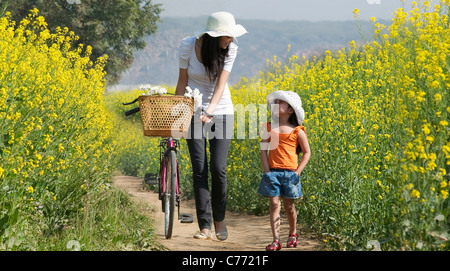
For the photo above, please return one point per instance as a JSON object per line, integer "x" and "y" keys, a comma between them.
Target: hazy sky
{"x": 310, "y": 10}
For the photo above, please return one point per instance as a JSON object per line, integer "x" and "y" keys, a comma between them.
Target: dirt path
{"x": 246, "y": 232}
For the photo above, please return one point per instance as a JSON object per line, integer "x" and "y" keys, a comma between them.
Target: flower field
{"x": 55, "y": 134}
{"x": 377, "y": 120}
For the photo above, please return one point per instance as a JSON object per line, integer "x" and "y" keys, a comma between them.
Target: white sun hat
{"x": 222, "y": 23}
{"x": 291, "y": 98}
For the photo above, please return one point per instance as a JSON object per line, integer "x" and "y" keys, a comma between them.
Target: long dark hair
{"x": 294, "y": 121}
{"x": 213, "y": 57}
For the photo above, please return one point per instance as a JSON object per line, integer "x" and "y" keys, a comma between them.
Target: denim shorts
{"x": 280, "y": 182}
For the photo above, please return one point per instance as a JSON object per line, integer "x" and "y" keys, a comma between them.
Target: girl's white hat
{"x": 222, "y": 24}
{"x": 292, "y": 99}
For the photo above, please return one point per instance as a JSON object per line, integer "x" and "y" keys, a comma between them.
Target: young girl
{"x": 284, "y": 139}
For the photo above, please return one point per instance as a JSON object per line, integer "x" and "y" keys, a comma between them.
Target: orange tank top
{"x": 282, "y": 152}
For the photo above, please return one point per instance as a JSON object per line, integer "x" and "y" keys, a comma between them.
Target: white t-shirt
{"x": 197, "y": 77}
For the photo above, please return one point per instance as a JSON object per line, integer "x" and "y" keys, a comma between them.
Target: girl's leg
{"x": 275, "y": 207}
{"x": 291, "y": 213}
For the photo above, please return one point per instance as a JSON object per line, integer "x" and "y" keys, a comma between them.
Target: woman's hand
{"x": 205, "y": 118}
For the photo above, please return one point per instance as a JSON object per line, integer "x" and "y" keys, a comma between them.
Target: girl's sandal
{"x": 293, "y": 242}
{"x": 275, "y": 246}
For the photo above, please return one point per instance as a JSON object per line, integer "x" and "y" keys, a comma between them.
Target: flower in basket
{"x": 145, "y": 87}
{"x": 157, "y": 90}
{"x": 196, "y": 95}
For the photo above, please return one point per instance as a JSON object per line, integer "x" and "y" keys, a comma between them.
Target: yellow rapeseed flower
{"x": 444, "y": 194}
{"x": 415, "y": 193}
{"x": 426, "y": 130}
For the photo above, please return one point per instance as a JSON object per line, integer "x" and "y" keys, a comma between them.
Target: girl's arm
{"x": 303, "y": 141}
{"x": 265, "y": 145}
{"x": 182, "y": 82}
{"x": 265, "y": 161}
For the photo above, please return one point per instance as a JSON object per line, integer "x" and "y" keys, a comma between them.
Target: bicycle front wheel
{"x": 171, "y": 191}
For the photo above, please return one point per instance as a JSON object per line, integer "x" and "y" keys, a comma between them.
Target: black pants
{"x": 219, "y": 133}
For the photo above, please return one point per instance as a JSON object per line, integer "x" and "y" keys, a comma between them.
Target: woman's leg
{"x": 197, "y": 150}
{"x": 220, "y": 139}
{"x": 218, "y": 166}
{"x": 220, "y": 133}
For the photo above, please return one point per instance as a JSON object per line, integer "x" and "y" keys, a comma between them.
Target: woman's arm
{"x": 217, "y": 95}
{"x": 303, "y": 141}
{"x": 182, "y": 82}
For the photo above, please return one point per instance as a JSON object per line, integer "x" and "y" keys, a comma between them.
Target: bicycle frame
{"x": 166, "y": 145}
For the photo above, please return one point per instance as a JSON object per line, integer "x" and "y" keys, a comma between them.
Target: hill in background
{"x": 157, "y": 63}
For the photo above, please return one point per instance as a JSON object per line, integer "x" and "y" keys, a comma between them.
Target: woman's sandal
{"x": 202, "y": 235}
{"x": 275, "y": 246}
{"x": 292, "y": 243}
{"x": 222, "y": 236}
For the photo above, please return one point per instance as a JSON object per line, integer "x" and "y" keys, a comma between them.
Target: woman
{"x": 205, "y": 63}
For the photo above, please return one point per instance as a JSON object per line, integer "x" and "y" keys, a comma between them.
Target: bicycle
{"x": 166, "y": 116}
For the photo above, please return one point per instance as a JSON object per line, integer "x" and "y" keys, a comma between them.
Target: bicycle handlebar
{"x": 132, "y": 111}
{"x": 135, "y": 100}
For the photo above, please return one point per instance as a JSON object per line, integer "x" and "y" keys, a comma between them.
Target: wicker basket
{"x": 165, "y": 116}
